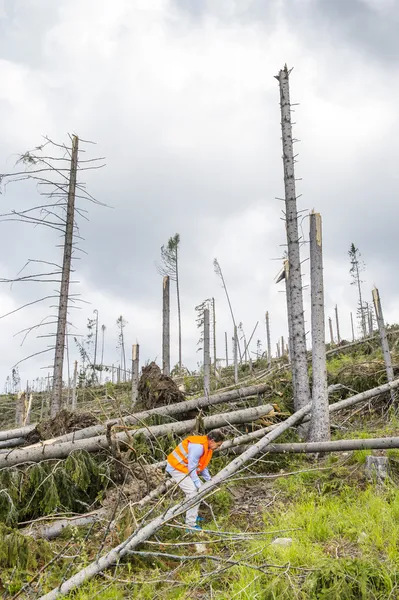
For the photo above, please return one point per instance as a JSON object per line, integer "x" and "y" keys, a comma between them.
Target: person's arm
{"x": 205, "y": 474}
{"x": 195, "y": 452}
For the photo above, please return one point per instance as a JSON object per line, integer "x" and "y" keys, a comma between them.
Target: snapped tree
{"x": 357, "y": 266}
{"x": 170, "y": 266}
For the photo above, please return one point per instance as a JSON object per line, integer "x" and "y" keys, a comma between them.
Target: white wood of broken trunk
{"x": 319, "y": 430}
{"x": 146, "y": 531}
{"x": 166, "y": 326}
{"x": 384, "y": 339}
{"x": 74, "y": 385}
{"x": 337, "y": 325}
{"x": 135, "y": 373}
{"x": 302, "y": 390}
{"x": 207, "y": 354}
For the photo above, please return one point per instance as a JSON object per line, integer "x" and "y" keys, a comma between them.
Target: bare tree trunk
{"x": 143, "y": 533}
{"x": 118, "y": 374}
{"x": 235, "y": 355}
{"x": 353, "y": 330}
{"x": 337, "y": 325}
{"x": 227, "y": 353}
{"x": 319, "y": 430}
{"x": 331, "y": 331}
{"x": 302, "y": 390}
{"x": 362, "y": 315}
{"x": 75, "y": 380}
{"x": 112, "y": 374}
{"x": 135, "y": 373}
{"x": 370, "y": 319}
{"x": 214, "y": 335}
{"x": 178, "y": 309}
{"x": 289, "y": 318}
{"x": 269, "y": 345}
{"x": 384, "y": 339}
{"x": 278, "y": 350}
{"x": 282, "y": 346}
{"x": 56, "y": 403}
{"x": 166, "y": 326}
{"x": 207, "y": 357}
{"x": 102, "y": 351}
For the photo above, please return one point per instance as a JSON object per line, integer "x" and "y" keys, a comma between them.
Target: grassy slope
{"x": 344, "y": 529}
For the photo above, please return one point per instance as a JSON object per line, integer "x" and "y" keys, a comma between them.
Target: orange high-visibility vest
{"x": 178, "y": 459}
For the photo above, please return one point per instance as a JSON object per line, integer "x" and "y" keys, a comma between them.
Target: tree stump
{"x": 377, "y": 468}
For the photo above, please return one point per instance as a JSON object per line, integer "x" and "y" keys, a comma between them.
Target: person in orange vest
{"x": 189, "y": 460}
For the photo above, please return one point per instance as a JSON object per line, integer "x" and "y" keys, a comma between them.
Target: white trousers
{"x": 187, "y": 485}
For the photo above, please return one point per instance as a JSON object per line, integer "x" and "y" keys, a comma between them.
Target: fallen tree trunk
{"x": 336, "y": 446}
{"x": 15, "y": 433}
{"x": 50, "y": 451}
{"x": 138, "y": 418}
{"x": 50, "y": 532}
{"x": 12, "y": 442}
{"x": 145, "y": 532}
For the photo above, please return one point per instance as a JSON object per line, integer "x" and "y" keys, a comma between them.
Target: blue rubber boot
{"x": 195, "y": 529}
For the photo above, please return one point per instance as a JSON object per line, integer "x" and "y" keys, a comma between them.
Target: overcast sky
{"x": 181, "y": 99}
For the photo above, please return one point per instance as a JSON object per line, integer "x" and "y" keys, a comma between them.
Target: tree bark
{"x": 289, "y": 319}
{"x": 178, "y": 307}
{"x": 302, "y": 390}
{"x": 384, "y": 340}
{"x": 319, "y": 430}
{"x": 353, "y": 330}
{"x": 207, "y": 354}
{"x": 166, "y": 326}
{"x": 75, "y": 380}
{"x": 135, "y": 373}
{"x": 48, "y": 451}
{"x": 227, "y": 352}
{"x": 143, "y": 533}
{"x": 235, "y": 355}
{"x": 56, "y": 403}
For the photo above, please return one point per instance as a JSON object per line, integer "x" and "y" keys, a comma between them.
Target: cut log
{"x": 50, "y": 451}
{"x": 144, "y": 532}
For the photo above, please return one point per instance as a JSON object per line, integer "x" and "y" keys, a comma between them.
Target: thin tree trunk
{"x": 302, "y": 391}
{"x": 282, "y": 346}
{"x": 235, "y": 344}
{"x": 331, "y": 331}
{"x": 269, "y": 345}
{"x": 135, "y": 373}
{"x": 178, "y": 309}
{"x": 207, "y": 357}
{"x": 118, "y": 374}
{"x": 353, "y": 329}
{"x": 337, "y": 325}
{"x": 362, "y": 315}
{"x": 112, "y": 374}
{"x": 278, "y": 350}
{"x": 166, "y": 326}
{"x": 227, "y": 353}
{"x": 384, "y": 339}
{"x": 319, "y": 430}
{"x": 143, "y": 533}
{"x": 19, "y": 409}
{"x": 75, "y": 380}
{"x": 56, "y": 403}
{"x": 370, "y": 314}
{"x": 214, "y": 335}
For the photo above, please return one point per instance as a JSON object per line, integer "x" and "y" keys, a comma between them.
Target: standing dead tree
{"x": 357, "y": 266}
{"x": 121, "y": 324}
{"x": 269, "y": 345}
{"x": 319, "y": 430}
{"x": 166, "y": 326}
{"x": 302, "y": 391}
{"x": 56, "y": 180}
{"x": 207, "y": 354}
{"x": 170, "y": 267}
{"x": 384, "y": 339}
